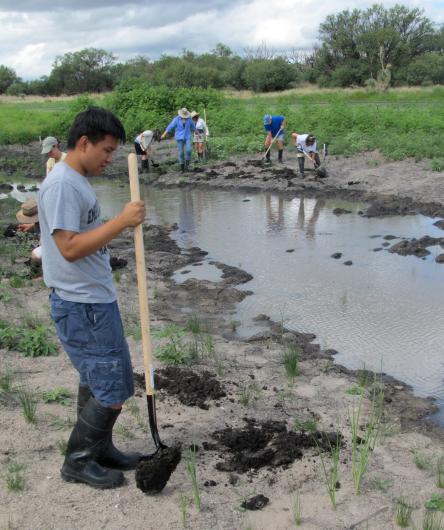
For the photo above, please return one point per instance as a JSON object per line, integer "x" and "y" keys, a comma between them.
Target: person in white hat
{"x": 306, "y": 146}
{"x": 201, "y": 134}
{"x": 142, "y": 145}
{"x": 183, "y": 126}
{"x": 28, "y": 218}
{"x": 51, "y": 148}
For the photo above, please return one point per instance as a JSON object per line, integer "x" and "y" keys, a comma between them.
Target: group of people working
{"x": 306, "y": 144}
{"x": 190, "y": 128}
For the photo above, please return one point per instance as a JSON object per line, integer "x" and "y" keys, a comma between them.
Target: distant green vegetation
{"x": 398, "y": 122}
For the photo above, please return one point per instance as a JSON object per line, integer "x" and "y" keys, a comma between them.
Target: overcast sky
{"x": 34, "y": 32}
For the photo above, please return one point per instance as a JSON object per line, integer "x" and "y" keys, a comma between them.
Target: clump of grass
{"x": 14, "y": 477}
{"x": 440, "y": 472}
{"x": 58, "y": 423}
{"x": 355, "y": 390}
{"x": 422, "y": 461}
{"x": 290, "y": 359}
{"x": 28, "y": 402}
{"x": 62, "y": 446}
{"x": 437, "y": 164}
{"x": 134, "y": 410}
{"x": 124, "y": 432}
{"x": 432, "y": 521}
{"x": 173, "y": 350}
{"x": 381, "y": 484}
{"x": 234, "y": 324}
{"x": 363, "y": 446}
{"x": 436, "y": 502}
{"x": 194, "y": 325}
{"x": 403, "y": 514}
{"x": 208, "y": 344}
{"x": 7, "y": 377}
{"x": 58, "y": 395}
{"x": 117, "y": 276}
{"x": 296, "y": 508}
{"x": 191, "y": 467}
{"x": 184, "y": 502}
{"x": 249, "y": 394}
{"x": 305, "y": 425}
{"x": 331, "y": 469}
{"x": 35, "y": 343}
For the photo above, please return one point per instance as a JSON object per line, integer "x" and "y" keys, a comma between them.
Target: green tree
{"x": 7, "y": 78}
{"x": 88, "y": 70}
{"x": 262, "y": 75}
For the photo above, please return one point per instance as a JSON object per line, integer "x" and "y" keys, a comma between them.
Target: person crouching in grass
{"x": 76, "y": 268}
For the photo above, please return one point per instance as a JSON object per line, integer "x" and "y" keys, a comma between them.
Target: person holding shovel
{"x": 142, "y": 145}
{"x": 200, "y": 135}
{"x": 183, "y": 126}
{"x": 76, "y": 268}
{"x": 274, "y": 127}
{"x": 51, "y": 148}
{"x": 306, "y": 146}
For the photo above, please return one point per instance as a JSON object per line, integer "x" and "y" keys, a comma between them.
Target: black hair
{"x": 156, "y": 135}
{"x": 311, "y": 139}
{"x": 95, "y": 123}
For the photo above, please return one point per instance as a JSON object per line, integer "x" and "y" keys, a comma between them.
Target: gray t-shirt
{"x": 67, "y": 201}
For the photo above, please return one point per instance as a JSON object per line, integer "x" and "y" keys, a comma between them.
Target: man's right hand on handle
{"x": 132, "y": 214}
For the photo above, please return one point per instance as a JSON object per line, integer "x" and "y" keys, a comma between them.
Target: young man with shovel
{"x": 83, "y": 299}
{"x": 274, "y": 127}
{"x": 306, "y": 146}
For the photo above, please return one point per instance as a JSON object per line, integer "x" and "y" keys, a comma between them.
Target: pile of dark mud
{"x": 191, "y": 388}
{"x": 416, "y": 247}
{"x": 266, "y": 443}
{"x": 153, "y": 472}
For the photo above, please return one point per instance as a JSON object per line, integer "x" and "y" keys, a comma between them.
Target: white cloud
{"x": 36, "y": 32}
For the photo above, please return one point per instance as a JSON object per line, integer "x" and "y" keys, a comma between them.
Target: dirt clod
{"x": 153, "y": 473}
{"x": 256, "y": 503}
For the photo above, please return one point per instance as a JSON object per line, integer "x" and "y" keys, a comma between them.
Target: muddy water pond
{"x": 382, "y": 310}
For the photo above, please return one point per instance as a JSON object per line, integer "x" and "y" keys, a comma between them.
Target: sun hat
{"x": 183, "y": 113}
{"x": 48, "y": 143}
{"x": 28, "y": 212}
{"x": 194, "y": 114}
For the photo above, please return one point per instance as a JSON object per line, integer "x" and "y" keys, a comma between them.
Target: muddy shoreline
{"x": 247, "y": 396}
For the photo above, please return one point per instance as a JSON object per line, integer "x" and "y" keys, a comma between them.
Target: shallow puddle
{"x": 382, "y": 311}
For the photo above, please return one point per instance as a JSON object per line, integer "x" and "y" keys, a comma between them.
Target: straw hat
{"x": 28, "y": 212}
{"x": 184, "y": 113}
{"x": 194, "y": 114}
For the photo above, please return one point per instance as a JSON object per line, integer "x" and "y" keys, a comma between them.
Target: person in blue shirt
{"x": 274, "y": 127}
{"x": 183, "y": 126}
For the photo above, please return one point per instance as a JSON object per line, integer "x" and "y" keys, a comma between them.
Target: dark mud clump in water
{"x": 267, "y": 443}
{"x": 341, "y": 211}
{"x": 153, "y": 473}
{"x": 191, "y": 388}
{"x": 440, "y": 224}
{"x": 415, "y": 247}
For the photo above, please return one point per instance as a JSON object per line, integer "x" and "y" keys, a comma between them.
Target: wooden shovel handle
{"x": 141, "y": 280}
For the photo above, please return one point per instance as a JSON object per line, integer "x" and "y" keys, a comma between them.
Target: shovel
{"x": 321, "y": 170}
{"x": 153, "y": 471}
{"x": 271, "y": 144}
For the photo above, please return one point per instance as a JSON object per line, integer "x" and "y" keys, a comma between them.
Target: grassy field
{"x": 398, "y": 122}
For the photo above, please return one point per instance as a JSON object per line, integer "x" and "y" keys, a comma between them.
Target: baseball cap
{"x": 48, "y": 143}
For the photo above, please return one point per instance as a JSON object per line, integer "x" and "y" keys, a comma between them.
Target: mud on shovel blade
{"x": 153, "y": 471}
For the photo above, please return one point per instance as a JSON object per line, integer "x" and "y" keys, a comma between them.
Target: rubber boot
{"x": 280, "y": 153}
{"x": 84, "y": 445}
{"x": 187, "y": 165}
{"x": 109, "y": 456}
{"x": 145, "y": 166}
{"x": 317, "y": 159}
{"x": 301, "y": 162}
{"x": 182, "y": 168}
{"x": 267, "y": 158}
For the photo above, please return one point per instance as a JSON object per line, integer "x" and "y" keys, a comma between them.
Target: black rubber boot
{"x": 317, "y": 159}
{"x": 86, "y": 442}
{"x": 301, "y": 162}
{"x": 145, "y": 166}
{"x": 182, "y": 167}
{"x": 187, "y": 165}
{"x": 109, "y": 456}
{"x": 280, "y": 153}
{"x": 267, "y": 158}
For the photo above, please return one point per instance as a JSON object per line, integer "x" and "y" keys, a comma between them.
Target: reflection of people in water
{"x": 311, "y": 224}
{"x": 301, "y": 214}
{"x": 275, "y": 218}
